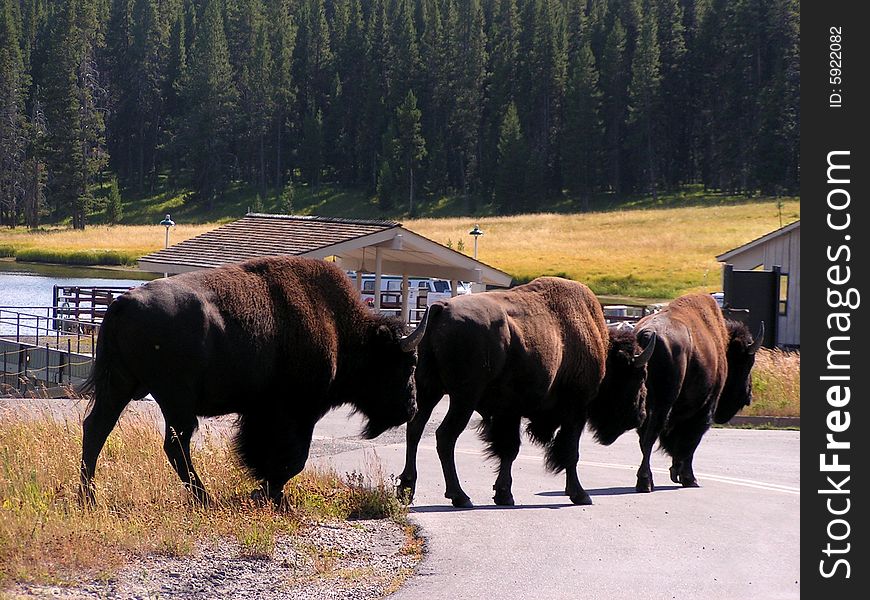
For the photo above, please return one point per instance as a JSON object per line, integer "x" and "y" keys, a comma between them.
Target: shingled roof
{"x": 261, "y": 235}
{"x": 358, "y": 245}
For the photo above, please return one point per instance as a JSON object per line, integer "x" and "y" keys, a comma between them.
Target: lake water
{"x": 29, "y": 284}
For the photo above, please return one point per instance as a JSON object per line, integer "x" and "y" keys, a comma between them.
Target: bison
{"x": 279, "y": 341}
{"x": 541, "y": 351}
{"x": 699, "y": 373}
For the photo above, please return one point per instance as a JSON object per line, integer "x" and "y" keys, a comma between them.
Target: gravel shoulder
{"x": 346, "y": 560}
{"x": 341, "y": 560}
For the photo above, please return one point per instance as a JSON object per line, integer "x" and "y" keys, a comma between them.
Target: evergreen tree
{"x": 677, "y": 96}
{"x": 778, "y": 138}
{"x": 70, "y": 88}
{"x": 311, "y": 150}
{"x": 13, "y": 135}
{"x": 145, "y": 85}
{"x": 283, "y": 40}
{"x": 114, "y": 207}
{"x": 403, "y": 58}
{"x": 410, "y": 146}
{"x": 644, "y": 97}
{"x": 504, "y": 57}
{"x": 510, "y": 185}
{"x": 544, "y": 52}
{"x": 583, "y": 132}
{"x": 34, "y": 168}
{"x": 210, "y": 102}
{"x": 468, "y": 78}
{"x": 613, "y": 81}
{"x": 173, "y": 95}
{"x": 352, "y": 58}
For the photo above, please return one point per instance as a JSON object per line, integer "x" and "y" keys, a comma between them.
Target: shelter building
{"x": 363, "y": 246}
{"x": 764, "y": 276}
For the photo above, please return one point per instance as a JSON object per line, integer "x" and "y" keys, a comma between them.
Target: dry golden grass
{"x": 776, "y": 386}
{"x": 649, "y": 253}
{"x": 45, "y": 536}
{"x": 140, "y": 239}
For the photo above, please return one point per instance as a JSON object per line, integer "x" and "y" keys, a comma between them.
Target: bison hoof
{"x": 675, "y": 475}
{"x": 261, "y": 496}
{"x": 581, "y": 499}
{"x": 503, "y": 498}
{"x": 461, "y": 501}
{"x": 87, "y": 498}
{"x": 644, "y": 485}
{"x": 690, "y": 483}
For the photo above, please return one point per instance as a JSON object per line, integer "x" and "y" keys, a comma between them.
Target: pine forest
{"x": 508, "y": 102}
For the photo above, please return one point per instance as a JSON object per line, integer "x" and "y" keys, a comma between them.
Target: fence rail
{"x": 39, "y": 349}
{"x": 84, "y": 303}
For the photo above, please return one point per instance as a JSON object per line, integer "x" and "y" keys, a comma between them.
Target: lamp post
{"x": 167, "y": 223}
{"x": 476, "y": 233}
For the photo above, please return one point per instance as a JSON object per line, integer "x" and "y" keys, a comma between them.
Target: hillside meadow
{"x": 651, "y": 253}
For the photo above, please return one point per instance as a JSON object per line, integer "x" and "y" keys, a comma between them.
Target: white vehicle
{"x": 422, "y": 292}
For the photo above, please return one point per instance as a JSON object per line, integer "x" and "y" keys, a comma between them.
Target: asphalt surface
{"x": 735, "y": 537}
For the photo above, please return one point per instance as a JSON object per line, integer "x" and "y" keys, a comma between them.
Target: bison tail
{"x": 97, "y": 385}
{"x": 98, "y": 379}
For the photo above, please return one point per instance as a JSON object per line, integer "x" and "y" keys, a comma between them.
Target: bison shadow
{"x": 447, "y": 508}
{"x": 610, "y": 491}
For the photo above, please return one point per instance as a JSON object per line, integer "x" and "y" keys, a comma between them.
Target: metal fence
{"x": 40, "y": 349}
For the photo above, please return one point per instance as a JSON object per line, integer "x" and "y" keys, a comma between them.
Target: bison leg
{"x": 564, "y": 453}
{"x": 648, "y": 434}
{"x": 176, "y": 445}
{"x": 502, "y": 433}
{"x": 681, "y": 443}
{"x": 408, "y": 479}
{"x": 103, "y": 417}
{"x": 446, "y": 435}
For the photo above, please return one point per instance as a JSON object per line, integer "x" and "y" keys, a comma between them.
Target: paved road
{"x": 735, "y": 537}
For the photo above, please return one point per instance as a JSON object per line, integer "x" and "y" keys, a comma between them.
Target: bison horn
{"x": 410, "y": 342}
{"x": 643, "y": 358}
{"x": 759, "y": 338}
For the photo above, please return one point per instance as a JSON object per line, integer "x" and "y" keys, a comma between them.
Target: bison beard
{"x": 537, "y": 351}
{"x": 609, "y": 419}
{"x": 279, "y": 341}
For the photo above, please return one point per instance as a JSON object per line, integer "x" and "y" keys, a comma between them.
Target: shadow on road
{"x": 436, "y": 508}
{"x": 609, "y": 491}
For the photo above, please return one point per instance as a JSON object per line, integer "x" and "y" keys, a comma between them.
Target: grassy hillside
{"x": 649, "y": 253}
{"x": 637, "y": 247}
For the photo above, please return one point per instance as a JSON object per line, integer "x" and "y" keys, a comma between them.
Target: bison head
{"x": 620, "y": 404}
{"x": 737, "y": 392}
{"x": 387, "y": 395}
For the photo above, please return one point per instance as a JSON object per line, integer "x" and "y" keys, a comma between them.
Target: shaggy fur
{"x": 537, "y": 351}
{"x": 278, "y": 341}
{"x": 699, "y": 362}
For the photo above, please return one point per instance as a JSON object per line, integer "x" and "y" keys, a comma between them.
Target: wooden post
{"x": 379, "y": 258}
{"x": 406, "y": 292}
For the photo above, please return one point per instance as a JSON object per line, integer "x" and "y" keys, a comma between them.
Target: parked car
{"x": 422, "y": 292}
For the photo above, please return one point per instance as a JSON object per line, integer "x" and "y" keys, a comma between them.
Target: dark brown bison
{"x": 279, "y": 341}
{"x": 698, "y": 373}
{"x": 540, "y": 351}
